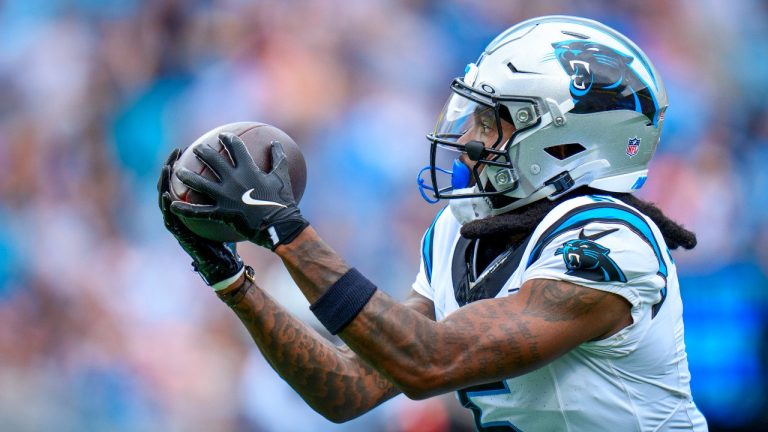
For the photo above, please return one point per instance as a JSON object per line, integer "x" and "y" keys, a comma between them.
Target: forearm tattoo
{"x": 485, "y": 341}
{"x": 314, "y": 266}
{"x": 331, "y": 379}
{"x": 555, "y": 301}
{"x": 479, "y": 344}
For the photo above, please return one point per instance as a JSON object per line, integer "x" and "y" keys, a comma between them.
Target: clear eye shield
{"x": 473, "y": 131}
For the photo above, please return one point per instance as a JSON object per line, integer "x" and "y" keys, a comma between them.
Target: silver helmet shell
{"x": 587, "y": 107}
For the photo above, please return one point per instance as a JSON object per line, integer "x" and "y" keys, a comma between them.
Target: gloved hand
{"x": 258, "y": 205}
{"x": 214, "y": 261}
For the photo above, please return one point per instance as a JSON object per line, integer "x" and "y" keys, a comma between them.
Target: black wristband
{"x": 338, "y": 306}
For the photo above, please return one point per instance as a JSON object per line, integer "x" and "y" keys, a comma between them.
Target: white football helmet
{"x": 587, "y": 108}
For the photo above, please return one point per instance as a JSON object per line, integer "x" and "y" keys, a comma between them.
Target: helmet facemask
{"x": 473, "y": 132}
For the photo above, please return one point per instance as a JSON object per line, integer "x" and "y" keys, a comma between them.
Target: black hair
{"x": 519, "y": 223}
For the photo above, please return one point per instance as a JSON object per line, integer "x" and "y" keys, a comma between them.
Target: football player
{"x": 547, "y": 295}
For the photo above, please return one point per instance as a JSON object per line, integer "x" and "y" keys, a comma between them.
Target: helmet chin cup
{"x": 470, "y": 209}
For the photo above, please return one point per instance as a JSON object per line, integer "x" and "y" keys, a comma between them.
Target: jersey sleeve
{"x": 421, "y": 285}
{"x": 612, "y": 256}
{"x": 610, "y": 247}
{"x": 423, "y": 282}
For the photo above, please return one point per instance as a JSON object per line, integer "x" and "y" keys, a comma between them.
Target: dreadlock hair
{"x": 519, "y": 223}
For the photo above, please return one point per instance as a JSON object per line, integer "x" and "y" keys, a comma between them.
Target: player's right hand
{"x": 259, "y": 205}
{"x": 214, "y": 261}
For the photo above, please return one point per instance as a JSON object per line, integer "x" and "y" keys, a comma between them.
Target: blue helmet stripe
{"x": 634, "y": 51}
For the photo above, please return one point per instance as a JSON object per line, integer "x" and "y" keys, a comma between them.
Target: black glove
{"x": 258, "y": 205}
{"x": 214, "y": 261}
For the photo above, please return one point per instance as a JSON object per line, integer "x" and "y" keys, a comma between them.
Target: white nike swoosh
{"x": 250, "y": 201}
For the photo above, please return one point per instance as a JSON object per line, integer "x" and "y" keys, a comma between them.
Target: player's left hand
{"x": 213, "y": 261}
{"x": 258, "y": 205}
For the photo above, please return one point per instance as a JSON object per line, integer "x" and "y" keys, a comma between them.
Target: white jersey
{"x": 635, "y": 380}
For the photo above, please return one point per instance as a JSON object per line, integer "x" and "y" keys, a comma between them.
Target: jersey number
{"x": 491, "y": 389}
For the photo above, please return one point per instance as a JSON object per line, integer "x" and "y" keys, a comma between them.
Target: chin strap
{"x": 470, "y": 209}
{"x": 558, "y": 185}
{"x": 544, "y": 192}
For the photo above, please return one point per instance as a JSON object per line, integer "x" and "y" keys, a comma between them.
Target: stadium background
{"x": 104, "y": 327}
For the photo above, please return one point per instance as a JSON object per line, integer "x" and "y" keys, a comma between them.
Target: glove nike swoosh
{"x": 255, "y": 202}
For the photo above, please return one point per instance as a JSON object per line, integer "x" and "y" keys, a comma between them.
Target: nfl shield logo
{"x": 632, "y": 146}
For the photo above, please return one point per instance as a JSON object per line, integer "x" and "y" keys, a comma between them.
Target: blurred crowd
{"x": 103, "y": 325}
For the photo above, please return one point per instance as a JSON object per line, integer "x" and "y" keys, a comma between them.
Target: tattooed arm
{"x": 485, "y": 341}
{"x": 333, "y": 380}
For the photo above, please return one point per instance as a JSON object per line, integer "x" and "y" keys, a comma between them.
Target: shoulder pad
{"x": 582, "y": 211}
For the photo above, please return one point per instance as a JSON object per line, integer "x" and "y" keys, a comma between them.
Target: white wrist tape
{"x": 218, "y": 286}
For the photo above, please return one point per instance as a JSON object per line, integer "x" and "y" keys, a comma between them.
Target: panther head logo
{"x": 601, "y": 79}
{"x": 586, "y": 259}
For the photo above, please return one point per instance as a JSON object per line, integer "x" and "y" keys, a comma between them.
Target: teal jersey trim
{"x": 600, "y": 212}
{"x": 427, "y": 245}
{"x": 491, "y": 389}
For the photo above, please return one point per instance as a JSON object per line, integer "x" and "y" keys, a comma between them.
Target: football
{"x": 258, "y": 138}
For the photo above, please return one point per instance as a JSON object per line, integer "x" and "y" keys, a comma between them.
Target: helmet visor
{"x": 463, "y": 120}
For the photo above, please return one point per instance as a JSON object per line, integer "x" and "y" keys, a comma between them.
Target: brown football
{"x": 258, "y": 138}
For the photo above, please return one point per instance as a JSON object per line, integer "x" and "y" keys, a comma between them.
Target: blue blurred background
{"x": 103, "y": 326}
